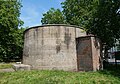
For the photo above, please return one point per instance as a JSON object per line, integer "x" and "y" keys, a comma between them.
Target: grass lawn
{"x": 109, "y": 76}
{"x": 59, "y": 77}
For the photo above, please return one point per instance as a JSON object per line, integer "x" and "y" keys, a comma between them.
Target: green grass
{"x": 109, "y": 76}
{"x": 5, "y": 65}
{"x": 59, "y": 77}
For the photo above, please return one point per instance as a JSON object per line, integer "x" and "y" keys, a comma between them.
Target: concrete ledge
{"x": 45, "y": 25}
{"x": 21, "y": 67}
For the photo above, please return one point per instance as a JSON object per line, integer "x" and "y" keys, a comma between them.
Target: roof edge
{"x": 53, "y": 25}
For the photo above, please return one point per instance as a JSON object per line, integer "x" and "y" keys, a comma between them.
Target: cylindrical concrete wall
{"x": 51, "y": 47}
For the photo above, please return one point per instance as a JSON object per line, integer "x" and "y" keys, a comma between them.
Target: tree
{"x": 53, "y": 16}
{"x": 18, "y": 47}
{"x": 9, "y": 33}
{"x": 79, "y": 12}
{"x": 106, "y": 22}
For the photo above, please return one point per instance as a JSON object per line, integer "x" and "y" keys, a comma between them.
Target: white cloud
{"x": 61, "y": 1}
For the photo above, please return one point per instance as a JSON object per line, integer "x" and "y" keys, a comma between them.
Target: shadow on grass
{"x": 112, "y": 70}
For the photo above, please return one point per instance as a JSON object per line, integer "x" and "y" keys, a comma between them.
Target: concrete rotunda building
{"x": 60, "y": 47}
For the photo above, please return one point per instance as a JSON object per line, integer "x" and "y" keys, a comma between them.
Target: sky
{"x": 32, "y": 10}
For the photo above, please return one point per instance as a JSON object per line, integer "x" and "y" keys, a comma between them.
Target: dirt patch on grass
{"x": 7, "y": 70}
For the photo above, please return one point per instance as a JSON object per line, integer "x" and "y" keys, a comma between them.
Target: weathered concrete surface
{"x": 60, "y": 47}
{"x": 88, "y": 53}
{"x": 51, "y": 47}
{"x": 97, "y": 60}
{"x": 21, "y": 67}
{"x": 84, "y": 54}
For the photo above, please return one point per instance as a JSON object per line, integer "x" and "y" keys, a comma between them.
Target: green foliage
{"x": 53, "y": 16}
{"x": 59, "y": 77}
{"x": 106, "y": 22}
{"x": 10, "y": 36}
{"x": 79, "y": 12}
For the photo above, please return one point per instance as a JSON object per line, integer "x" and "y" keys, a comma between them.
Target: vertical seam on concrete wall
{"x": 77, "y": 68}
{"x": 91, "y": 52}
{"x": 75, "y": 33}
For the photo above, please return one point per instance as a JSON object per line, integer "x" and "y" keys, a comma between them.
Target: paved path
{"x": 7, "y": 70}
